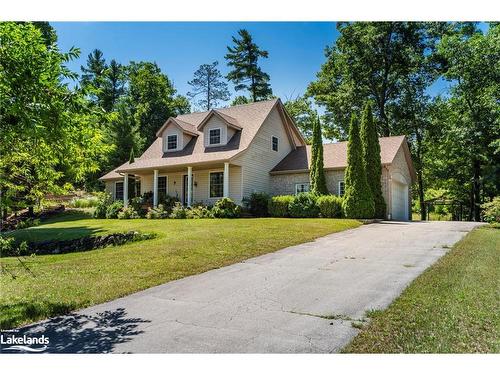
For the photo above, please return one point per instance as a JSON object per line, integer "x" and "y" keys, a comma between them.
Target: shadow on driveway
{"x": 78, "y": 333}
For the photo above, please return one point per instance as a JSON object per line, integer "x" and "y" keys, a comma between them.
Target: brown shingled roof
{"x": 335, "y": 155}
{"x": 246, "y": 117}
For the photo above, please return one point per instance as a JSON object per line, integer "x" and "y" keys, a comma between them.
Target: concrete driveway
{"x": 297, "y": 300}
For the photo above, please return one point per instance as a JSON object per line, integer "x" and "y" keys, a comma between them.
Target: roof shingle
{"x": 335, "y": 155}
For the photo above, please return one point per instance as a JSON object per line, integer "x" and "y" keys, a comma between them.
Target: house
{"x": 232, "y": 152}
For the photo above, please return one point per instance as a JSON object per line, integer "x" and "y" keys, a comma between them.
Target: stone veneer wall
{"x": 284, "y": 184}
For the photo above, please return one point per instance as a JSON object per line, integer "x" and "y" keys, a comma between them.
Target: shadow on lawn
{"x": 37, "y": 234}
{"x": 78, "y": 333}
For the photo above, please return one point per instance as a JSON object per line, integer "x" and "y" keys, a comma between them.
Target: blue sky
{"x": 296, "y": 49}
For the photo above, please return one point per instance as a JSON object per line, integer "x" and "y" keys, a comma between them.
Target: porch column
{"x": 155, "y": 188}
{"x": 125, "y": 190}
{"x": 190, "y": 187}
{"x": 226, "y": 180}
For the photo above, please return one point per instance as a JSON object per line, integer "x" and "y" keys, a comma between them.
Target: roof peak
{"x": 233, "y": 106}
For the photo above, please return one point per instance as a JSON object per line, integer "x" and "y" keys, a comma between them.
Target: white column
{"x": 155, "y": 188}
{"x": 190, "y": 187}
{"x": 226, "y": 180}
{"x": 125, "y": 190}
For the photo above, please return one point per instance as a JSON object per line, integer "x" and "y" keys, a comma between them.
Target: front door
{"x": 184, "y": 189}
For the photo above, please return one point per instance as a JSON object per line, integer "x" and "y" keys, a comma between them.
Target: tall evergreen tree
{"x": 371, "y": 160}
{"x": 94, "y": 75}
{"x": 317, "y": 172}
{"x": 246, "y": 74}
{"x": 358, "y": 200}
{"x": 208, "y": 83}
{"x": 113, "y": 85}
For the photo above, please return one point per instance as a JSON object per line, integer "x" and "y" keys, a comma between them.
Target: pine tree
{"x": 317, "y": 172}
{"x": 371, "y": 160}
{"x": 113, "y": 85}
{"x": 358, "y": 199}
{"x": 246, "y": 74}
{"x": 94, "y": 75}
{"x": 208, "y": 83}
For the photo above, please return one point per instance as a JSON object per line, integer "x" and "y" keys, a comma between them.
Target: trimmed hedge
{"x": 330, "y": 206}
{"x": 278, "y": 205}
{"x": 304, "y": 205}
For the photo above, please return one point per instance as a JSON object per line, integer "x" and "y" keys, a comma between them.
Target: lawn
{"x": 453, "y": 307}
{"x": 65, "y": 282}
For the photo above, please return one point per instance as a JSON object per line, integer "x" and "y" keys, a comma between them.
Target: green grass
{"x": 453, "y": 307}
{"x": 183, "y": 247}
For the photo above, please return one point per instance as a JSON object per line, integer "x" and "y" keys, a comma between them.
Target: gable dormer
{"x": 176, "y": 134}
{"x": 218, "y": 128}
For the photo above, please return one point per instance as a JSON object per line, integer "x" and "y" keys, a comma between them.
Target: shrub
{"x": 157, "y": 213}
{"x": 226, "y": 208}
{"x": 103, "y": 201}
{"x": 491, "y": 211}
{"x": 278, "y": 205}
{"x": 178, "y": 211}
{"x": 9, "y": 247}
{"x": 84, "y": 202}
{"x": 167, "y": 201}
{"x": 113, "y": 209}
{"x": 128, "y": 213}
{"x": 199, "y": 212}
{"x": 257, "y": 204}
{"x": 330, "y": 206}
{"x": 136, "y": 203}
{"x": 304, "y": 205}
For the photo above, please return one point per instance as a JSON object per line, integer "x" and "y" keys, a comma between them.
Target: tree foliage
{"x": 358, "y": 199}
{"x": 243, "y": 58}
{"x": 369, "y": 61}
{"x": 48, "y": 133}
{"x": 371, "y": 160}
{"x": 152, "y": 98}
{"x": 209, "y": 85}
{"x": 317, "y": 172}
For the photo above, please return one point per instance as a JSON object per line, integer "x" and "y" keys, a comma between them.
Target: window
{"x": 214, "y": 136}
{"x": 119, "y": 190}
{"x": 172, "y": 142}
{"x": 216, "y": 184}
{"x": 162, "y": 185}
{"x": 302, "y": 187}
{"x": 341, "y": 188}
{"x": 275, "y": 143}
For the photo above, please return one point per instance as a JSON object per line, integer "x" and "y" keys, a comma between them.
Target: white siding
{"x": 214, "y": 123}
{"x": 182, "y": 138}
{"x": 200, "y": 184}
{"x": 259, "y": 158}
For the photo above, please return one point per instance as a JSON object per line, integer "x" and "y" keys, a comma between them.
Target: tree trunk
{"x": 31, "y": 212}
{"x": 477, "y": 190}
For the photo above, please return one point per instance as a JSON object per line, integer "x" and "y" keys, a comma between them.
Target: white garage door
{"x": 399, "y": 201}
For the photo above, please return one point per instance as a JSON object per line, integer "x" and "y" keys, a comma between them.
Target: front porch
{"x": 192, "y": 184}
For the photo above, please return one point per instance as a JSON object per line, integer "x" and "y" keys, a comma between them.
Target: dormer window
{"x": 214, "y": 136}
{"x": 172, "y": 142}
